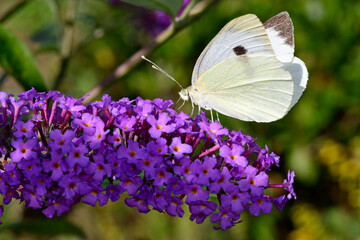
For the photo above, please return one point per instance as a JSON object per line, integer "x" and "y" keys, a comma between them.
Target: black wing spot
{"x": 239, "y": 50}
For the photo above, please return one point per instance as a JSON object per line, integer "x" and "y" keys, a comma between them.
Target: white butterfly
{"x": 248, "y": 71}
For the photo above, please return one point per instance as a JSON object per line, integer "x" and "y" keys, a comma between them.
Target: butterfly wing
{"x": 243, "y": 35}
{"x": 281, "y": 35}
{"x": 250, "y": 88}
{"x": 300, "y": 77}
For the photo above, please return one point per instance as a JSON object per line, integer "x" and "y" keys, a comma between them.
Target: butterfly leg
{"x": 177, "y": 100}
{"x": 181, "y": 105}
{"x": 192, "y": 108}
{"x": 217, "y": 115}
{"x": 212, "y": 117}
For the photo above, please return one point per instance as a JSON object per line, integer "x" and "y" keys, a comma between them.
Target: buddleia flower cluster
{"x": 56, "y": 152}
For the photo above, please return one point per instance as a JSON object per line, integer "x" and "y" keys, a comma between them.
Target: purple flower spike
{"x": 67, "y": 154}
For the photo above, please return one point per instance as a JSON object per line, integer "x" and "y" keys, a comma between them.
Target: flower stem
{"x": 14, "y": 9}
{"x": 214, "y": 148}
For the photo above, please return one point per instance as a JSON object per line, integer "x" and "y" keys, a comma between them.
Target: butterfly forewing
{"x": 250, "y": 88}
{"x": 281, "y": 34}
{"x": 242, "y": 36}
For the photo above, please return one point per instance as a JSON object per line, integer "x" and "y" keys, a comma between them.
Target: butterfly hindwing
{"x": 300, "y": 76}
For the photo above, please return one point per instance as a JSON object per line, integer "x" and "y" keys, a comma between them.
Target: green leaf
{"x": 169, "y": 6}
{"x": 44, "y": 227}
{"x": 17, "y": 60}
{"x": 106, "y": 182}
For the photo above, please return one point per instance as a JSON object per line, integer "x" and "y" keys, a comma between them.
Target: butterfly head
{"x": 184, "y": 94}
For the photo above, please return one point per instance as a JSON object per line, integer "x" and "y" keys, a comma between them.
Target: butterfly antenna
{"x": 161, "y": 70}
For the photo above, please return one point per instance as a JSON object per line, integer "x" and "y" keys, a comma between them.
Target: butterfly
{"x": 248, "y": 71}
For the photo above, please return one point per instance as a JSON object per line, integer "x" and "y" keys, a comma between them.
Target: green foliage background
{"x": 319, "y": 139}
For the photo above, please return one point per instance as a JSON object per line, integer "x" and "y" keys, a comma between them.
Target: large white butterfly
{"x": 248, "y": 71}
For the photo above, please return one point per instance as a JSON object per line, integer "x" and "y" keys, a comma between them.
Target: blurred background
{"x": 76, "y": 44}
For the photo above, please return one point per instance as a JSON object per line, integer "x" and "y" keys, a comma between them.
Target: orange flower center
{"x": 76, "y": 154}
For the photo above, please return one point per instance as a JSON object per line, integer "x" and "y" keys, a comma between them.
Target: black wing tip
{"x": 284, "y": 25}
